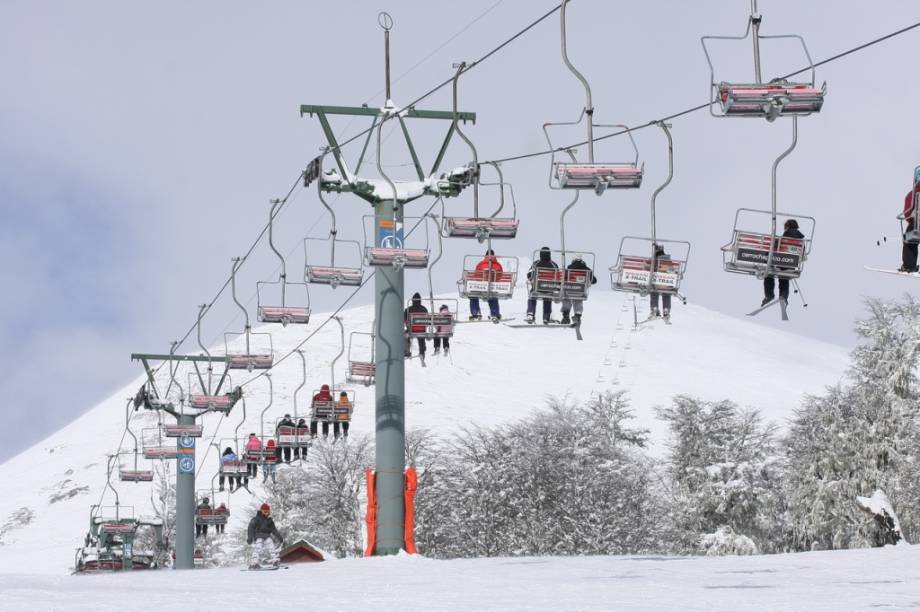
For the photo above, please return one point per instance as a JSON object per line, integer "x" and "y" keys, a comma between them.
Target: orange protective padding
{"x": 371, "y": 516}
{"x": 411, "y": 484}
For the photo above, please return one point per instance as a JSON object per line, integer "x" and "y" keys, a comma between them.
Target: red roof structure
{"x": 301, "y": 551}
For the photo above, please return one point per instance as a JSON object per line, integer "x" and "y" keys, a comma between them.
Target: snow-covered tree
{"x": 566, "y": 480}
{"x": 860, "y": 436}
{"x": 721, "y": 475}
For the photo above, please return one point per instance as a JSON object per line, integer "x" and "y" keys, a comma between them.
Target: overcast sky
{"x": 141, "y": 144}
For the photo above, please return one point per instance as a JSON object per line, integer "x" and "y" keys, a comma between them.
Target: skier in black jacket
{"x": 287, "y": 421}
{"x": 790, "y": 230}
{"x": 261, "y": 535}
{"x": 544, "y": 262}
{"x": 415, "y": 308}
{"x": 578, "y": 263}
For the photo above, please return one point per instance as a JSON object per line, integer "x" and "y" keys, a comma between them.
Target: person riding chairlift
{"x": 790, "y": 230}
{"x": 343, "y": 401}
{"x": 578, "y": 264}
{"x": 490, "y": 269}
{"x": 324, "y": 395}
{"x": 544, "y": 262}
{"x": 442, "y": 329}
{"x": 909, "y": 247}
{"x": 415, "y": 308}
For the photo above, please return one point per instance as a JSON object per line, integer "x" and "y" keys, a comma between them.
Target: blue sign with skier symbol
{"x": 186, "y": 448}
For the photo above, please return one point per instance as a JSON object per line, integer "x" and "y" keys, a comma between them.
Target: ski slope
{"x": 494, "y": 374}
{"x": 865, "y": 579}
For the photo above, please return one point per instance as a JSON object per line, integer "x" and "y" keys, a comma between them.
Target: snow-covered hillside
{"x": 495, "y": 373}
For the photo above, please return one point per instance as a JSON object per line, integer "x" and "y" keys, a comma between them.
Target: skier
{"x": 544, "y": 262}
{"x": 228, "y": 457}
{"x": 286, "y": 451}
{"x": 790, "y": 230}
{"x": 343, "y": 401}
{"x": 909, "y": 248}
{"x": 253, "y": 452}
{"x": 415, "y": 308}
{"x": 578, "y": 263}
{"x": 261, "y": 535}
{"x": 221, "y": 509}
{"x": 270, "y": 461}
{"x": 442, "y": 329}
{"x": 201, "y": 529}
{"x": 489, "y": 269}
{"x": 324, "y": 395}
{"x": 653, "y": 296}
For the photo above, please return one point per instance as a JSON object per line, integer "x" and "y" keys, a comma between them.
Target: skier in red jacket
{"x": 490, "y": 269}
{"x": 909, "y": 248}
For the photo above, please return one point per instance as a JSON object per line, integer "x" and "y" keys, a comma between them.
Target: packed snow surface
{"x": 884, "y": 578}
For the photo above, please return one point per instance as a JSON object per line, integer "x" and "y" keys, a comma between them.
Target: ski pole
{"x": 795, "y": 283}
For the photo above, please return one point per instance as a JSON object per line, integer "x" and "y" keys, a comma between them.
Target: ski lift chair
{"x": 235, "y": 468}
{"x": 487, "y": 284}
{"x": 433, "y": 324}
{"x": 334, "y": 275}
{"x": 638, "y": 271}
{"x": 361, "y": 367}
{"x": 322, "y": 410}
{"x": 280, "y": 311}
{"x": 211, "y": 516}
{"x": 760, "y": 254}
{"x": 174, "y": 430}
{"x": 561, "y": 284}
{"x": 287, "y": 436}
{"x": 153, "y": 447}
{"x": 392, "y": 251}
{"x": 284, "y": 313}
{"x": 134, "y": 475}
{"x": 485, "y": 228}
{"x": 777, "y": 98}
{"x": 249, "y": 359}
{"x": 203, "y": 397}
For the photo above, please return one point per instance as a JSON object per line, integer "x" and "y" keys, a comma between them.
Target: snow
{"x": 494, "y": 374}
{"x": 840, "y": 580}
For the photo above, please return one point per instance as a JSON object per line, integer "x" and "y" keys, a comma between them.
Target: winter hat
{"x": 416, "y": 296}
{"x": 270, "y": 443}
{"x": 343, "y": 394}
{"x": 324, "y": 388}
{"x": 578, "y": 257}
{"x": 265, "y": 508}
{"x": 490, "y": 252}
{"x": 444, "y": 308}
{"x": 791, "y": 224}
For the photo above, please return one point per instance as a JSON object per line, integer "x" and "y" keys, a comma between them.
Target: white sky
{"x": 141, "y": 146}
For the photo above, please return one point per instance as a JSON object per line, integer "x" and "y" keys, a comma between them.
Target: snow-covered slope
{"x": 495, "y": 373}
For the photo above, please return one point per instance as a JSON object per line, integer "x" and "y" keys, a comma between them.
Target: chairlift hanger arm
{"x": 366, "y": 111}
{"x": 415, "y": 161}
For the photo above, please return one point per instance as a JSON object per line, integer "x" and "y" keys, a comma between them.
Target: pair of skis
{"x": 782, "y": 306}
{"x": 553, "y": 323}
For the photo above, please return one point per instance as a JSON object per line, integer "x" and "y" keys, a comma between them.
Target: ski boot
{"x": 565, "y": 319}
{"x": 576, "y": 320}
{"x": 530, "y": 318}
{"x": 666, "y": 315}
{"x": 653, "y": 314}
{"x": 421, "y": 357}
{"x": 495, "y": 319}
{"x": 437, "y": 351}
{"x": 766, "y": 300}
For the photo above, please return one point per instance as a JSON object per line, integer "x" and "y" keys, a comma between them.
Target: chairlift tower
{"x": 390, "y": 256}
{"x": 185, "y": 431}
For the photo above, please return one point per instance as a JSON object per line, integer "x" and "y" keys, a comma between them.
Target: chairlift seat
{"x": 361, "y": 372}
{"x": 599, "y": 176}
{"x": 750, "y": 253}
{"x": 770, "y": 100}
{"x": 135, "y": 475}
{"x": 221, "y": 403}
{"x": 406, "y": 258}
{"x": 209, "y": 516}
{"x": 636, "y": 274}
{"x": 293, "y": 437}
{"x": 233, "y": 467}
{"x": 249, "y": 362}
{"x": 178, "y": 431}
{"x": 323, "y": 410}
{"x": 284, "y": 314}
{"x": 118, "y": 528}
{"x": 334, "y": 276}
{"x": 556, "y": 284}
{"x": 161, "y": 452}
{"x": 486, "y": 284}
{"x": 430, "y": 325}
{"x": 480, "y": 228}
